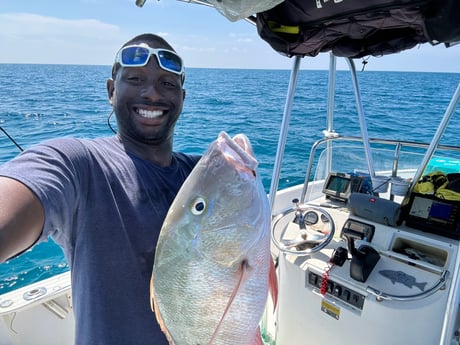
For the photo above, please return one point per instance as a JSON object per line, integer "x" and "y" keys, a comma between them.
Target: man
{"x": 104, "y": 200}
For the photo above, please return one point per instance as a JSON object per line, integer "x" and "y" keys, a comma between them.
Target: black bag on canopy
{"x": 357, "y": 28}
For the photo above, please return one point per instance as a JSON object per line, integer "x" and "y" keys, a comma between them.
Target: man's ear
{"x": 183, "y": 94}
{"x": 110, "y": 89}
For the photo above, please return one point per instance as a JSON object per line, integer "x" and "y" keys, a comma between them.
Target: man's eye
{"x": 170, "y": 84}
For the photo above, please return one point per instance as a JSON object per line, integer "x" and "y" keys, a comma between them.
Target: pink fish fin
{"x": 152, "y": 294}
{"x": 273, "y": 284}
{"x": 244, "y": 271}
{"x": 154, "y": 307}
{"x": 258, "y": 339}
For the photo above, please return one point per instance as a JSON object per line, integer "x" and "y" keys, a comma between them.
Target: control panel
{"x": 338, "y": 291}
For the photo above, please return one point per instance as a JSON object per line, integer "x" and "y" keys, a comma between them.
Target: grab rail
{"x": 380, "y": 296}
{"x": 397, "y": 143}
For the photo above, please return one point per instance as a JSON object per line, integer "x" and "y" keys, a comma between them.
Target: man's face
{"x": 147, "y": 101}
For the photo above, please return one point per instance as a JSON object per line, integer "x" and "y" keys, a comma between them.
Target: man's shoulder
{"x": 84, "y": 142}
{"x": 78, "y": 146}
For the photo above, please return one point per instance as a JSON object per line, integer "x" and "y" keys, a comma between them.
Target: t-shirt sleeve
{"x": 51, "y": 171}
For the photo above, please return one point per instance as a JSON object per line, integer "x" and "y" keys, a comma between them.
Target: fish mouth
{"x": 238, "y": 152}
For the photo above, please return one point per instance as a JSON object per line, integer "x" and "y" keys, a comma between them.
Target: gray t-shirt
{"x": 105, "y": 208}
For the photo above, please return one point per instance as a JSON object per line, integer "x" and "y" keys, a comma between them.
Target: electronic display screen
{"x": 338, "y": 184}
{"x": 428, "y": 208}
{"x": 428, "y": 213}
{"x": 440, "y": 211}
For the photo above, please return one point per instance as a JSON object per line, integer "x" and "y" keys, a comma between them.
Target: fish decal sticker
{"x": 402, "y": 278}
{"x": 213, "y": 268}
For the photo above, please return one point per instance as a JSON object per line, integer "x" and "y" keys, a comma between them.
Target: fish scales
{"x": 210, "y": 278}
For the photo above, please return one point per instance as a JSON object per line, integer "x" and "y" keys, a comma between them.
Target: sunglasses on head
{"x": 139, "y": 55}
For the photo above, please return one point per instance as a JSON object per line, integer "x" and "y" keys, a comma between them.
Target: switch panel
{"x": 338, "y": 291}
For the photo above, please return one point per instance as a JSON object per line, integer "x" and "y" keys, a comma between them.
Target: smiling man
{"x": 147, "y": 99}
{"x": 104, "y": 200}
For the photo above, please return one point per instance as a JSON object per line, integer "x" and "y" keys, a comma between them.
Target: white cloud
{"x": 197, "y": 49}
{"x": 243, "y": 37}
{"x": 34, "y": 38}
{"x": 245, "y": 40}
{"x": 201, "y": 36}
{"x": 32, "y": 25}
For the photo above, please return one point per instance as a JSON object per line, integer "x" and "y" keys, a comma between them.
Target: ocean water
{"x": 39, "y": 102}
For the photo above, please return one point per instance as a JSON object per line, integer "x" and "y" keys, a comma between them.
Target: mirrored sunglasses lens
{"x": 170, "y": 61}
{"x": 135, "y": 56}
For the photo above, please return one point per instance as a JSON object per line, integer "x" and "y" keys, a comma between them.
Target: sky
{"x": 91, "y": 31}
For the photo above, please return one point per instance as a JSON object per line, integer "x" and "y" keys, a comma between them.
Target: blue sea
{"x": 39, "y": 102}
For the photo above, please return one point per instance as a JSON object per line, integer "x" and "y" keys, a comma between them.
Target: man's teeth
{"x": 150, "y": 113}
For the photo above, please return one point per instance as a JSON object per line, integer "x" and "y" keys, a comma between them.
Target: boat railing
{"x": 331, "y": 135}
{"x": 397, "y": 149}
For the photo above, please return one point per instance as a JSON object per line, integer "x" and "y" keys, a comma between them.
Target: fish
{"x": 403, "y": 278}
{"x": 213, "y": 271}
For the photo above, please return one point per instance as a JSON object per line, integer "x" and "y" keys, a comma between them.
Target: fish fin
{"x": 154, "y": 307}
{"x": 244, "y": 270}
{"x": 152, "y": 300}
{"x": 258, "y": 339}
{"x": 273, "y": 284}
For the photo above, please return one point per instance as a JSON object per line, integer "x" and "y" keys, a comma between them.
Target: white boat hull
{"x": 38, "y": 314}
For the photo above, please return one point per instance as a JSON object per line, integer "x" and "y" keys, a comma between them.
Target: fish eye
{"x": 198, "y": 206}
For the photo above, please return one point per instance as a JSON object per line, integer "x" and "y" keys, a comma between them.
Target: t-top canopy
{"x": 358, "y": 28}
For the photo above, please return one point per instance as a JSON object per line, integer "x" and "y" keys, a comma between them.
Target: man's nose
{"x": 150, "y": 90}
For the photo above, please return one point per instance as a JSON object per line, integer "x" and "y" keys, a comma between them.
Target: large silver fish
{"x": 213, "y": 266}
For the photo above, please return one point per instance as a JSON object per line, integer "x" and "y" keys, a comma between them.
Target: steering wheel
{"x": 307, "y": 232}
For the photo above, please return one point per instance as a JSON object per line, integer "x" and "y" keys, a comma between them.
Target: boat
{"x": 366, "y": 249}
